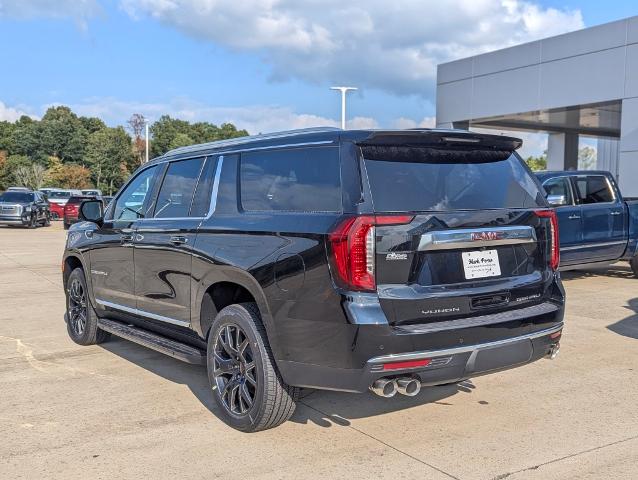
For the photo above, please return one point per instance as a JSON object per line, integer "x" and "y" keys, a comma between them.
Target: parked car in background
{"x": 71, "y": 207}
{"x": 57, "y": 199}
{"x": 26, "y": 208}
{"x": 341, "y": 260}
{"x": 106, "y": 199}
{"x": 46, "y": 190}
{"x": 92, "y": 192}
{"x": 18, "y": 189}
{"x": 597, "y": 225}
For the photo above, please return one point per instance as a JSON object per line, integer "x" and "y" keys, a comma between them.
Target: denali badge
{"x": 481, "y": 236}
{"x": 440, "y": 310}
{"x": 396, "y": 256}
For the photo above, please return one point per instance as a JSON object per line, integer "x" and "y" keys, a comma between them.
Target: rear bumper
{"x": 445, "y": 365}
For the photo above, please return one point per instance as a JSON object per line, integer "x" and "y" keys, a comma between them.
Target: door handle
{"x": 126, "y": 237}
{"x": 616, "y": 213}
{"x": 574, "y": 217}
{"x": 178, "y": 239}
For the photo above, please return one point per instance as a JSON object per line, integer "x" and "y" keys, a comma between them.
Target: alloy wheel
{"x": 234, "y": 370}
{"x": 77, "y": 307}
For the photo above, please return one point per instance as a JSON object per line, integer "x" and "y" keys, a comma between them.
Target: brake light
{"x": 554, "y": 248}
{"x": 407, "y": 364}
{"x": 353, "y": 243}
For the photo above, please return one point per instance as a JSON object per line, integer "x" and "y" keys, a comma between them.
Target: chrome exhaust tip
{"x": 384, "y": 387}
{"x": 408, "y": 386}
{"x": 553, "y": 351}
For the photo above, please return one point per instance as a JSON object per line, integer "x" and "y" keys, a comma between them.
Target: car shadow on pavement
{"x": 322, "y": 408}
{"x": 618, "y": 270}
{"x": 628, "y": 327}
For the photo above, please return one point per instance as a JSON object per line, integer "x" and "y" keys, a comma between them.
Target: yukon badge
{"x": 482, "y": 236}
{"x": 396, "y": 256}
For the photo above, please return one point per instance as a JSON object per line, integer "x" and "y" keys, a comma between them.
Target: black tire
{"x": 634, "y": 265}
{"x": 81, "y": 319}
{"x": 33, "y": 222}
{"x": 273, "y": 402}
{"x": 47, "y": 220}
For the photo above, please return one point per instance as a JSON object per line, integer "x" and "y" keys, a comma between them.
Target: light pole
{"x": 343, "y": 91}
{"x": 146, "y": 138}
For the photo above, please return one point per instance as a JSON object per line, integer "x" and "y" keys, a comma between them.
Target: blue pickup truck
{"x": 597, "y": 225}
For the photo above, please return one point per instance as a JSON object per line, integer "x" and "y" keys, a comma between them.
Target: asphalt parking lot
{"x": 122, "y": 411}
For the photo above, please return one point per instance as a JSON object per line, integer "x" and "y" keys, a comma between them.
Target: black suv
{"x": 341, "y": 260}
{"x": 24, "y": 207}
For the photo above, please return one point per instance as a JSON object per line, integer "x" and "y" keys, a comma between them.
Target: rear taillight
{"x": 352, "y": 246}
{"x": 554, "y": 248}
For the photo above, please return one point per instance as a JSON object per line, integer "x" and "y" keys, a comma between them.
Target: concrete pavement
{"x": 122, "y": 411}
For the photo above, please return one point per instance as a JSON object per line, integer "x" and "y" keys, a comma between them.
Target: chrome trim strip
{"x": 593, "y": 245}
{"x": 452, "y": 239}
{"x": 215, "y": 189}
{"x": 142, "y": 313}
{"x": 468, "y": 348}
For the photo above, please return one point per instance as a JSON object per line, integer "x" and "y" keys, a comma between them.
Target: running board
{"x": 159, "y": 343}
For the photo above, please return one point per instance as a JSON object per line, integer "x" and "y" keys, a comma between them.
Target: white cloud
{"x": 11, "y": 114}
{"x": 393, "y": 46}
{"x": 402, "y": 122}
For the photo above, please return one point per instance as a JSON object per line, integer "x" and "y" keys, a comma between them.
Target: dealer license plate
{"x": 481, "y": 264}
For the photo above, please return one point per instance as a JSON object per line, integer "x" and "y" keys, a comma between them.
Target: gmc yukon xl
{"x": 342, "y": 260}
{"x": 597, "y": 225}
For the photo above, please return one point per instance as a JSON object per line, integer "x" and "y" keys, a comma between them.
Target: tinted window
{"x": 130, "y": 203}
{"x": 176, "y": 194}
{"x": 301, "y": 180}
{"x": 593, "y": 189}
{"x": 59, "y": 194}
{"x": 17, "y": 197}
{"x": 201, "y": 199}
{"x": 559, "y": 186}
{"x": 421, "y": 179}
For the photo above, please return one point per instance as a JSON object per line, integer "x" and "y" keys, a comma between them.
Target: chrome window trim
{"x": 464, "y": 349}
{"x": 142, "y": 313}
{"x": 462, "y": 238}
{"x": 593, "y": 245}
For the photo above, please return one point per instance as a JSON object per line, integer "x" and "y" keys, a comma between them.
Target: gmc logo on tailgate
{"x": 478, "y": 236}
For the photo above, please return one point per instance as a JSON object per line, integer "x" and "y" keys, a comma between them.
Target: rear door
{"x": 163, "y": 243}
{"x": 604, "y": 222}
{"x": 474, "y": 245}
{"x": 569, "y": 220}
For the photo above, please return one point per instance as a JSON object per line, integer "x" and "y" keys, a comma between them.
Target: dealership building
{"x": 583, "y": 83}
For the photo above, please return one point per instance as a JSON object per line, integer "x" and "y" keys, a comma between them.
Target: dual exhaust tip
{"x": 389, "y": 387}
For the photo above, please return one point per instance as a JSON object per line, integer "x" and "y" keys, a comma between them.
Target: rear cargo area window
{"x": 295, "y": 180}
{"x": 429, "y": 179}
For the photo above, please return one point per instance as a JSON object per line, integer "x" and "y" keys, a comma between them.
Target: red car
{"x": 71, "y": 209}
{"x": 57, "y": 210}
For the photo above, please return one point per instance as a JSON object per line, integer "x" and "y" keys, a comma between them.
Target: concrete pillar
{"x": 608, "y": 151}
{"x": 628, "y": 159}
{"x": 562, "y": 151}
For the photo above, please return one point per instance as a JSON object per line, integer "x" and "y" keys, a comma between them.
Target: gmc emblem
{"x": 478, "y": 236}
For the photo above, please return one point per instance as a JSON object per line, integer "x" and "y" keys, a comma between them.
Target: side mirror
{"x": 92, "y": 211}
{"x": 557, "y": 200}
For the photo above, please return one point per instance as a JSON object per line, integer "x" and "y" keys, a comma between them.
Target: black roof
{"x": 327, "y": 135}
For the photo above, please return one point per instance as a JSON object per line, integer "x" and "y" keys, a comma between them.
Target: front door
{"x": 570, "y": 227}
{"x": 163, "y": 246}
{"x": 112, "y": 264}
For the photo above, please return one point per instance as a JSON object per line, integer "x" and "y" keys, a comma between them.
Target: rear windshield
{"x": 427, "y": 179}
{"x": 59, "y": 194}
{"x": 18, "y": 197}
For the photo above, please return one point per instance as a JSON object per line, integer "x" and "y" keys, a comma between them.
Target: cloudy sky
{"x": 264, "y": 65}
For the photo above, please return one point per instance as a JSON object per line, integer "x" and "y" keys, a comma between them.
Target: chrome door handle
{"x": 616, "y": 213}
{"x": 127, "y": 237}
{"x": 178, "y": 239}
{"x": 574, "y": 217}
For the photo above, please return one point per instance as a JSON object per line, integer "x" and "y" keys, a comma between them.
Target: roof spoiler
{"x": 459, "y": 139}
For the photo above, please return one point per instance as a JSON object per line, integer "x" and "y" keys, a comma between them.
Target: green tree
{"x": 109, "y": 156}
{"x": 8, "y": 170}
{"x": 537, "y": 163}
{"x": 180, "y": 140}
{"x": 31, "y": 176}
{"x": 63, "y": 134}
{"x": 6, "y": 136}
{"x": 26, "y": 139}
{"x": 587, "y": 157}
{"x": 92, "y": 124}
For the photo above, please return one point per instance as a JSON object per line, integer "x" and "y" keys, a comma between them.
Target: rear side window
{"x": 593, "y": 189}
{"x": 295, "y": 180}
{"x": 176, "y": 193}
{"x": 404, "y": 179}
